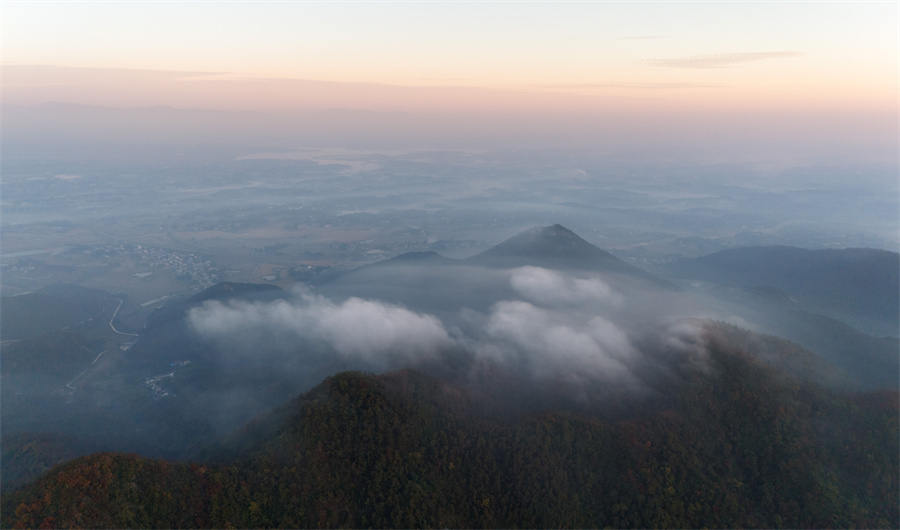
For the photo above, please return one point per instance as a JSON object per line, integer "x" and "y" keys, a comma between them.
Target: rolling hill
{"x": 854, "y": 284}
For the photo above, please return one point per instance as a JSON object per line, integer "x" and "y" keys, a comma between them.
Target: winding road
{"x": 113, "y": 318}
{"x": 116, "y": 312}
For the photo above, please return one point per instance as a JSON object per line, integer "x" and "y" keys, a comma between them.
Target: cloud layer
{"x": 355, "y": 329}
{"x": 554, "y": 327}
{"x": 553, "y": 344}
{"x": 556, "y": 289}
{"x": 719, "y": 60}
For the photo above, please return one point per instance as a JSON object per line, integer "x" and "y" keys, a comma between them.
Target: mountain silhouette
{"x": 557, "y": 247}
{"x": 428, "y": 281}
{"x": 862, "y": 282}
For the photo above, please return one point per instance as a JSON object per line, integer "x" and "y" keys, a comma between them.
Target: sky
{"x": 455, "y": 56}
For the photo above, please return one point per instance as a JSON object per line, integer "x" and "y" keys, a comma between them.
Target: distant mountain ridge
{"x": 856, "y": 281}
{"x": 415, "y": 258}
{"x": 175, "y": 311}
{"x": 553, "y": 247}
{"x": 430, "y": 282}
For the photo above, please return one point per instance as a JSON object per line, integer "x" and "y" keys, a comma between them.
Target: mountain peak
{"x": 556, "y": 247}
{"x": 552, "y": 232}
{"x": 544, "y": 241}
{"x": 554, "y": 243}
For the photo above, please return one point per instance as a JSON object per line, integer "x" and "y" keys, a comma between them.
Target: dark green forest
{"x": 747, "y": 440}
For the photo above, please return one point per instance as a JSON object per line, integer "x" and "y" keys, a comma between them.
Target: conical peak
{"x": 546, "y": 241}
{"x": 557, "y": 247}
{"x": 552, "y": 231}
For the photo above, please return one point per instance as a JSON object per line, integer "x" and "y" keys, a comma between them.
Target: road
{"x": 116, "y": 312}
{"x": 69, "y": 384}
{"x": 113, "y": 318}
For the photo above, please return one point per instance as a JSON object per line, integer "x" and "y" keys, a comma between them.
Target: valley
{"x": 174, "y": 323}
{"x": 174, "y": 385}
{"x": 449, "y": 264}
{"x": 186, "y": 337}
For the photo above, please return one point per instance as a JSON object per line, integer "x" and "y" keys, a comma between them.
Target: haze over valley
{"x": 587, "y": 272}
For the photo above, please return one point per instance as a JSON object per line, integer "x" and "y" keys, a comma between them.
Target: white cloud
{"x": 551, "y": 288}
{"x": 687, "y": 337}
{"x": 719, "y": 60}
{"x": 565, "y": 327}
{"x": 362, "y": 327}
{"x": 355, "y": 329}
{"x": 553, "y": 343}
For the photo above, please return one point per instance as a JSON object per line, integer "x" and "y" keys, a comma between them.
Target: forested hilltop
{"x": 745, "y": 440}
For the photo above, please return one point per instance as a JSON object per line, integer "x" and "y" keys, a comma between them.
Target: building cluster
{"x": 156, "y": 391}
{"x": 201, "y": 272}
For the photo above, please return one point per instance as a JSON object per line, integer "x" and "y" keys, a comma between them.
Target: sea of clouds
{"x": 558, "y": 326}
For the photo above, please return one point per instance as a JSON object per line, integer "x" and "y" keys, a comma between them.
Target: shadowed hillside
{"x": 861, "y": 282}
{"x": 555, "y": 247}
{"x": 735, "y": 442}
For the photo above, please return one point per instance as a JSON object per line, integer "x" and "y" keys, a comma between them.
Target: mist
{"x": 370, "y": 331}
{"x": 786, "y": 138}
{"x": 579, "y": 264}
{"x": 544, "y": 325}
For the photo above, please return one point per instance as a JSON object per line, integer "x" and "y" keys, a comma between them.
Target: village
{"x": 153, "y": 383}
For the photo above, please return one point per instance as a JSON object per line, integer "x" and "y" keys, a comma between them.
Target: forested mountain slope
{"x": 742, "y": 438}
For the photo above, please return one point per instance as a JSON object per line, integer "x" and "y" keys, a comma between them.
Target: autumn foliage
{"x": 738, "y": 445}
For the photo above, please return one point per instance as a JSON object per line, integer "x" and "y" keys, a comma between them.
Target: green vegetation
{"x": 27, "y": 455}
{"x": 736, "y": 444}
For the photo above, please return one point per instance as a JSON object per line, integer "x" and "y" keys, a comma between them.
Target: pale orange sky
{"x": 560, "y": 56}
